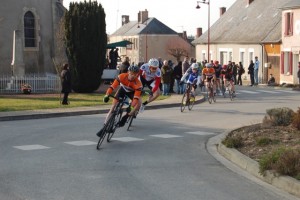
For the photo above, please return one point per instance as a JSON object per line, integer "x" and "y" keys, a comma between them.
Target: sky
{"x": 179, "y": 15}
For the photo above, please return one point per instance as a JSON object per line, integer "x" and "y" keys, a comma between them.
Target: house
{"x": 290, "y": 47}
{"x": 28, "y": 42}
{"x": 247, "y": 29}
{"x": 150, "y": 39}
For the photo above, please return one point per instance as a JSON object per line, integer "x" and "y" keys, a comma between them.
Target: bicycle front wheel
{"x": 209, "y": 96}
{"x": 191, "y": 103}
{"x": 130, "y": 119}
{"x": 184, "y": 102}
{"x": 113, "y": 123}
{"x": 105, "y": 128}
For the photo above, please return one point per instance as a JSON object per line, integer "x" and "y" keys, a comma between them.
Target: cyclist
{"x": 131, "y": 86}
{"x": 218, "y": 69}
{"x": 227, "y": 74}
{"x": 209, "y": 75}
{"x": 150, "y": 77}
{"x": 193, "y": 77}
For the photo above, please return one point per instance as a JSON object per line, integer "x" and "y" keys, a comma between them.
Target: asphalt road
{"x": 164, "y": 157}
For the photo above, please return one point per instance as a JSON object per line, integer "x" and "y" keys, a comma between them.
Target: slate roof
{"x": 256, "y": 23}
{"x": 292, "y": 4}
{"x": 150, "y": 26}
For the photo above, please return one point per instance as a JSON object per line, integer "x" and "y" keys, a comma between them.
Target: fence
{"x": 39, "y": 83}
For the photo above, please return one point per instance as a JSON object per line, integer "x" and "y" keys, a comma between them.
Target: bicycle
{"x": 230, "y": 90}
{"x": 112, "y": 123}
{"x": 187, "y": 98}
{"x": 210, "y": 93}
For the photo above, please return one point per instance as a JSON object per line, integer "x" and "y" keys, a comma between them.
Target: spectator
{"x": 171, "y": 65}
{"x": 66, "y": 83}
{"x": 111, "y": 58}
{"x": 256, "y": 68}
{"x": 234, "y": 72}
{"x": 241, "y": 71}
{"x": 116, "y": 57}
{"x": 124, "y": 66}
{"x": 251, "y": 72}
{"x": 271, "y": 81}
{"x": 177, "y": 74}
{"x": 166, "y": 74}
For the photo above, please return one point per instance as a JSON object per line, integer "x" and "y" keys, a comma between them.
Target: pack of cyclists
{"x": 149, "y": 75}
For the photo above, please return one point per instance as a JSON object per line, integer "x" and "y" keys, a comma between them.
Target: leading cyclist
{"x": 131, "y": 86}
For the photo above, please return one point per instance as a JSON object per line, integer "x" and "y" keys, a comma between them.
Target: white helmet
{"x": 153, "y": 62}
{"x": 195, "y": 66}
{"x": 208, "y": 65}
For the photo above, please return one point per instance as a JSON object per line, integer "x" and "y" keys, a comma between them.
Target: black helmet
{"x": 134, "y": 69}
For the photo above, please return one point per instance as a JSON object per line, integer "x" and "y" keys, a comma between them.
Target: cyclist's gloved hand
{"x": 105, "y": 98}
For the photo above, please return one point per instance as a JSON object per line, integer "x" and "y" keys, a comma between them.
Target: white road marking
{"x": 249, "y": 92}
{"x": 81, "y": 143}
{"x": 127, "y": 139}
{"x": 165, "y": 136}
{"x": 31, "y": 147}
{"x": 200, "y": 133}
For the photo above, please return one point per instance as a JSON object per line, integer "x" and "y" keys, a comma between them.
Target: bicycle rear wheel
{"x": 184, "y": 102}
{"x": 129, "y": 121}
{"x": 213, "y": 96}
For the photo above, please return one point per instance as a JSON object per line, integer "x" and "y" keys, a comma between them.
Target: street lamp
{"x": 208, "y": 28}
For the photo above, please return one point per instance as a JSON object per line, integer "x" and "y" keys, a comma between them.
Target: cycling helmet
{"x": 195, "y": 66}
{"x": 153, "y": 62}
{"x": 134, "y": 69}
{"x": 208, "y": 65}
{"x": 224, "y": 67}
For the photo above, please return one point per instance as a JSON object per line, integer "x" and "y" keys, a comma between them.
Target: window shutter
{"x": 291, "y": 62}
{"x": 291, "y": 23}
{"x": 285, "y": 24}
{"x": 282, "y": 63}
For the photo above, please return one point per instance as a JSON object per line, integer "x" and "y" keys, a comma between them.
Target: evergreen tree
{"x": 86, "y": 40}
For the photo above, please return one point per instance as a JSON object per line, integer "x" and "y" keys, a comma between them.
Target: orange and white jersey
{"x": 208, "y": 72}
{"x": 129, "y": 86}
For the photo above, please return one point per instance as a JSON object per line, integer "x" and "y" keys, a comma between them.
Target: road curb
{"x": 285, "y": 183}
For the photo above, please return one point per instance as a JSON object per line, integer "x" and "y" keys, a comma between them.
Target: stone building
{"x": 29, "y": 42}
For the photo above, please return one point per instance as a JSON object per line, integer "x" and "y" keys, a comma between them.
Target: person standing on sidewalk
{"x": 251, "y": 72}
{"x": 66, "y": 83}
{"x": 166, "y": 76}
{"x": 241, "y": 71}
{"x": 256, "y": 68}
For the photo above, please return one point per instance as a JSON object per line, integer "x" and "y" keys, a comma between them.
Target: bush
{"x": 289, "y": 163}
{"x": 282, "y": 161}
{"x": 232, "y": 141}
{"x": 267, "y": 161}
{"x": 296, "y": 119}
{"x": 279, "y": 116}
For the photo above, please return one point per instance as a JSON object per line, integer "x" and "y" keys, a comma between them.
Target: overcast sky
{"x": 179, "y": 15}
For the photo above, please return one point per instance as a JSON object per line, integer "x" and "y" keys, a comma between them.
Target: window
{"x": 288, "y": 24}
{"x": 286, "y": 63}
{"x": 29, "y": 30}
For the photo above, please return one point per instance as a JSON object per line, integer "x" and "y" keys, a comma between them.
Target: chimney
{"x": 222, "y": 10}
{"x": 184, "y": 36}
{"x": 142, "y": 16}
{"x": 198, "y": 32}
{"x": 249, "y": 2}
{"x": 125, "y": 19}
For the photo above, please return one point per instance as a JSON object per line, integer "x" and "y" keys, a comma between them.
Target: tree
{"x": 177, "y": 48}
{"x": 86, "y": 40}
